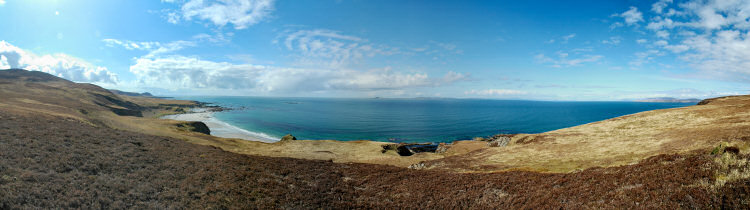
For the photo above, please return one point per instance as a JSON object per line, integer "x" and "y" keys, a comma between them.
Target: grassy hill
{"x": 71, "y": 145}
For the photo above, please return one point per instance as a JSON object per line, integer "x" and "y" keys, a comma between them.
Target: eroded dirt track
{"x": 53, "y": 162}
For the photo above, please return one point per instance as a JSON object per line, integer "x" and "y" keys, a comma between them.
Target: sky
{"x": 535, "y": 50}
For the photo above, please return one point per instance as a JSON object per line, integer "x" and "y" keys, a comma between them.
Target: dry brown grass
{"x": 71, "y": 165}
{"x": 618, "y": 141}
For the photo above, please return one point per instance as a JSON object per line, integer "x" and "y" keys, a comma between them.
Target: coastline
{"x": 220, "y": 128}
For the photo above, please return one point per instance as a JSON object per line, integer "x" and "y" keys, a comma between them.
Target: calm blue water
{"x": 413, "y": 120}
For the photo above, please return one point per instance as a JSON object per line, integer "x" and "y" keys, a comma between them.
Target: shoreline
{"x": 220, "y": 128}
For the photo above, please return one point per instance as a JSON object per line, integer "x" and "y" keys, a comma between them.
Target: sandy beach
{"x": 220, "y": 128}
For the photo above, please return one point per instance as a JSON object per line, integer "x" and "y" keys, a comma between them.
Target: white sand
{"x": 220, "y": 128}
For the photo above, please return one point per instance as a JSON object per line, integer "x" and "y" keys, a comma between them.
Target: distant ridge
{"x": 670, "y": 100}
{"x": 119, "y": 92}
{"x": 30, "y": 76}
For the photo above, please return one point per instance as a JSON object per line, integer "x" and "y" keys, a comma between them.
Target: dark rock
{"x": 408, "y": 149}
{"x": 404, "y": 151}
{"x": 288, "y": 137}
{"x": 419, "y": 148}
{"x": 195, "y": 126}
{"x": 733, "y": 150}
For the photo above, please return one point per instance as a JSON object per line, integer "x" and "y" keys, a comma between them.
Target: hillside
{"x": 619, "y": 141}
{"x": 70, "y": 145}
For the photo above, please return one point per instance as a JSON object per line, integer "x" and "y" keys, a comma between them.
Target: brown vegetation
{"x": 70, "y": 164}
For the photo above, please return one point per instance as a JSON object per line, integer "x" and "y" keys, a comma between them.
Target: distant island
{"x": 669, "y": 100}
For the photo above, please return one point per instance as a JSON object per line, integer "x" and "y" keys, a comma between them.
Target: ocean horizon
{"x": 411, "y": 120}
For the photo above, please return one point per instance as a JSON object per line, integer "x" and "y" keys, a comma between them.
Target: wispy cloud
{"x": 563, "y": 59}
{"x": 563, "y": 39}
{"x": 644, "y": 57}
{"x": 154, "y": 48}
{"x": 615, "y": 40}
{"x": 322, "y": 47}
{"x": 496, "y": 92}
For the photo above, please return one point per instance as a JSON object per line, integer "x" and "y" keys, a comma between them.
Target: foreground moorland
{"x": 70, "y": 145}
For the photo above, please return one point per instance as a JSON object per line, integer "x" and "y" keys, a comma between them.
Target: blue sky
{"x": 540, "y": 50}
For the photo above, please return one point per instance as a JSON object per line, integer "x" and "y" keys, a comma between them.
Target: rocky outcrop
{"x": 417, "y": 166}
{"x": 195, "y": 126}
{"x": 499, "y": 140}
{"x": 407, "y": 149}
{"x": 443, "y": 147}
{"x": 288, "y": 137}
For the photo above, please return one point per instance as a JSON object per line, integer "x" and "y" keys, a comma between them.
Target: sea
{"x": 412, "y": 119}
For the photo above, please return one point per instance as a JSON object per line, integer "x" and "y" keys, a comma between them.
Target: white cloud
{"x": 726, "y": 54}
{"x": 495, "y": 92}
{"x": 240, "y": 13}
{"x": 61, "y": 65}
{"x": 563, "y": 59}
{"x": 677, "y": 48}
{"x": 661, "y": 43}
{"x": 662, "y": 34}
{"x": 715, "y": 14}
{"x": 641, "y": 41}
{"x": 179, "y": 72}
{"x": 632, "y": 16}
{"x": 660, "y": 23}
{"x": 711, "y": 36}
{"x": 452, "y": 77}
